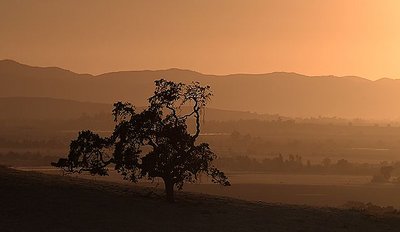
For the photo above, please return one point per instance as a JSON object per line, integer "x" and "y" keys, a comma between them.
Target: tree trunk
{"x": 169, "y": 190}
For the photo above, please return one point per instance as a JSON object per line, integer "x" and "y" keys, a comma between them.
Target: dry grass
{"x": 38, "y": 202}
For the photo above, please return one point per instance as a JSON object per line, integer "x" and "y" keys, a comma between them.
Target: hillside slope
{"x": 38, "y": 202}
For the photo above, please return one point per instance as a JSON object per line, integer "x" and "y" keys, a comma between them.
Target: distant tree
{"x": 343, "y": 164}
{"x": 326, "y": 162}
{"x": 386, "y": 172}
{"x": 235, "y": 135}
{"x": 154, "y": 143}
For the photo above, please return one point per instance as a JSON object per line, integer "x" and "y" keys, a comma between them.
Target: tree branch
{"x": 196, "y": 110}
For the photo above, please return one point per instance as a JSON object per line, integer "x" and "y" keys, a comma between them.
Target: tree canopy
{"x": 153, "y": 143}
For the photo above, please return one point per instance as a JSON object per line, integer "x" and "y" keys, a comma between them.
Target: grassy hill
{"x": 38, "y": 202}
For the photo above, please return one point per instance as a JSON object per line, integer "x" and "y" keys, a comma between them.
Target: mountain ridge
{"x": 286, "y": 94}
{"x": 13, "y": 62}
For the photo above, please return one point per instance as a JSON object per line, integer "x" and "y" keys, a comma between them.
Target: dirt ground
{"x": 32, "y": 201}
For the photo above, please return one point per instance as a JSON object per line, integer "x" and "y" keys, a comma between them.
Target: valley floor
{"x": 31, "y": 201}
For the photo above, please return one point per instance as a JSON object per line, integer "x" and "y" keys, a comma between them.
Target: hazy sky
{"x": 313, "y": 37}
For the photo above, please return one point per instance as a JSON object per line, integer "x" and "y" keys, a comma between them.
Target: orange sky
{"x": 313, "y": 37}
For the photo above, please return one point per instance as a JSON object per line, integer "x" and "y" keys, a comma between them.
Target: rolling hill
{"x": 44, "y": 108}
{"x": 58, "y": 203}
{"x": 287, "y": 94}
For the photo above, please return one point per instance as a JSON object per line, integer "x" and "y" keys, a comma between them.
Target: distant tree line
{"x": 296, "y": 164}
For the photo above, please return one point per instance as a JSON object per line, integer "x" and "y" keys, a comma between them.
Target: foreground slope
{"x": 37, "y": 202}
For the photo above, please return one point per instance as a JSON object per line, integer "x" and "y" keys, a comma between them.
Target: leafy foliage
{"x": 152, "y": 143}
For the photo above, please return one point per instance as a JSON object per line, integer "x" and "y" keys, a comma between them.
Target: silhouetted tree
{"x": 153, "y": 143}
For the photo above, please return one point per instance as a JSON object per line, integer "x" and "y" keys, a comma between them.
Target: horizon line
{"x": 194, "y": 71}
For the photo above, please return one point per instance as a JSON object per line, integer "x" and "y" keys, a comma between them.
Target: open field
{"x": 316, "y": 195}
{"x": 243, "y": 177}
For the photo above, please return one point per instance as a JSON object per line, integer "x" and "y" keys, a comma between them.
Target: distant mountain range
{"x": 287, "y": 94}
